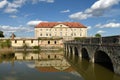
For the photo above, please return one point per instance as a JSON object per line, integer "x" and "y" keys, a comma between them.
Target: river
{"x": 51, "y": 66}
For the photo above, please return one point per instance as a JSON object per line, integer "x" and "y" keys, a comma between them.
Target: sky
{"x": 20, "y": 16}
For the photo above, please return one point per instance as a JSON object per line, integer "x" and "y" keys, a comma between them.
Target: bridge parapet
{"x": 95, "y": 40}
{"x": 103, "y": 50}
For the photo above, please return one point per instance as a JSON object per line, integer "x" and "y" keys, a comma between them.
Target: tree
{"x": 1, "y": 34}
{"x": 97, "y": 35}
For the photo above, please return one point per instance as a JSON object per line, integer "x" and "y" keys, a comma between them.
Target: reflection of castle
{"x": 53, "y": 66}
{"x": 38, "y": 56}
{"x": 46, "y": 62}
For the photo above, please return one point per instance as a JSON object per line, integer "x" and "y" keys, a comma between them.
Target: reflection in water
{"x": 42, "y": 66}
{"x": 90, "y": 71}
{"x": 52, "y": 66}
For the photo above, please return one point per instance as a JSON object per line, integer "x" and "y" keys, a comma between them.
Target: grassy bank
{"x": 6, "y": 51}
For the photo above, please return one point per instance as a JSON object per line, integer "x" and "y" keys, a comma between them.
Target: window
{"x": 60, "y": 29}
{"x": 41, "y": 34}
{"x": 15, "y": 41}
{"x": 66, "y": 34}
{"x": 55, "y": 56}
{"x": 80, "y": 34}
{"x": 31, "y": 41}
{"x": 74, "y": 34}
{"x": 55, "y": 42}
{"x": 23, "y": 41}
{"x": 48, "y": 56}
{"x": 61, "y": 34}
{"x": 49, "y": 34}
{"x": 46, "y": 34}
{"x": 48, "y": 42}
{"x": 66, "y": 29}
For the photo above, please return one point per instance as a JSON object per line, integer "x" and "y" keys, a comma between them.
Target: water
{"x": 51, "y": 66}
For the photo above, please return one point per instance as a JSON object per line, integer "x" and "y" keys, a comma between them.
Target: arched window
{"x": 48, "y": 42}
{"x": 55, "y": 42}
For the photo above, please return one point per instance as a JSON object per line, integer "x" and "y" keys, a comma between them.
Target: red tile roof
{"x": 52, "y": 24}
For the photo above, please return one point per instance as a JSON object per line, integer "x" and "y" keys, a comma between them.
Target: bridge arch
{"x": 103, "y": 59}
{"x": 71, "y": 52}
{"x": 85, "y": 54}
{"x": 76, "y": 53}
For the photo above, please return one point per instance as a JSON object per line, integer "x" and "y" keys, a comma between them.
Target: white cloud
{"x": 13, "y": 16}
{"x": 97, "y": 9}
{"x": 36, "y": 1}
{"x": 101, "y": 31}
{"x": 13, "y": 6}
{"x": 3, "y": 3}
{"x": 34, "y": 22}
{"x": 10, "y": 10}
{"x": 108, "y": 25}
{"x": 89, "y": 27}
{"x": 10, "y": 29}
{"x": 48, "y": 1}
{"x": 65, "y": 11}
{"x": 80, "y": 16}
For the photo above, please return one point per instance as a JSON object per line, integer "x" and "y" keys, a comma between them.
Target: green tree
{"x": 1, "y": 34}
{"x": 97, "y": 35}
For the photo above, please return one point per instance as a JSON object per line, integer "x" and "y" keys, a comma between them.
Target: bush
{"x": 6, "y": 43}
{"x": 80, "y": 38}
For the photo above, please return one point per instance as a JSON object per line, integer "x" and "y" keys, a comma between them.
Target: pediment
{"x": 61, "y": 26}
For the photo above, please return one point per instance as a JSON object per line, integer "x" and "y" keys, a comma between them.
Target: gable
{"x": 61, "y": 26}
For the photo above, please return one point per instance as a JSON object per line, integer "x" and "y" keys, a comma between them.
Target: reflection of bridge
{"x": 104, "y": 51}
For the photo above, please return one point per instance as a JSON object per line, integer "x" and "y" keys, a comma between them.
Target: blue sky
{"x": 20, "y": 16}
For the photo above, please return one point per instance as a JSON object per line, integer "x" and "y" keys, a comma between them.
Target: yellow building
{"x": 22, "y": 41}
{"x": 60, "y": 29}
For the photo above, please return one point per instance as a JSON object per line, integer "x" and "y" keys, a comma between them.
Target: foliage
{"x": 97, "y": 35}
{"x": 80, "y": 38}
{"x": 38, "y": 48}
{"x": 6, "y": 43}
{"x": 1, "y": 34}
{"x": 25, "y": 46}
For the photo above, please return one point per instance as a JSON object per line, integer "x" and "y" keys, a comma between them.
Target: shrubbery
{"x": 5, "y": 43}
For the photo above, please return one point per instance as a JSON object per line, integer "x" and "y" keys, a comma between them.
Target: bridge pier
{"x": 105, "y": 50}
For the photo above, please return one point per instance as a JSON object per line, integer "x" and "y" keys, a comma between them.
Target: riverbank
{"x": 6, "y": 51}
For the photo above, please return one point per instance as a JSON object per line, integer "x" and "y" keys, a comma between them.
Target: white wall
{"x": 21, "y": 42}
{"x": 60, "y": 31}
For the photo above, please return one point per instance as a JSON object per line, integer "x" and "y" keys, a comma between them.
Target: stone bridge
{"x": 104, "y": 51}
